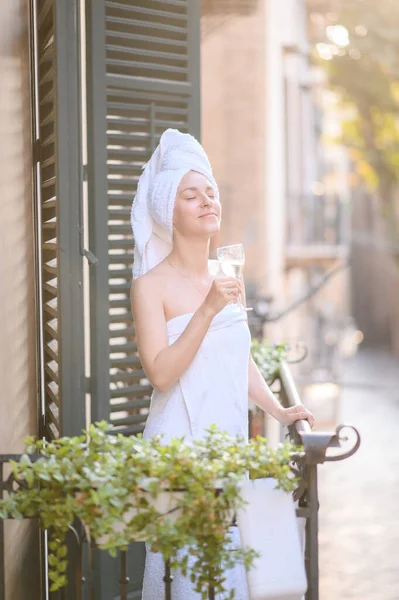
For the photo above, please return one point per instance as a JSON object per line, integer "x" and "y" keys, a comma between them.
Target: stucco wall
{"x": 17, "y": 309}
{"x": 233, "y": 127}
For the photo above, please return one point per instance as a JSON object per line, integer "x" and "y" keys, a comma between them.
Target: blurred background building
{"x": 265, "y": 110}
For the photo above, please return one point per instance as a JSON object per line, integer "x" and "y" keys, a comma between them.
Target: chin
{"x": 211, "y": 230}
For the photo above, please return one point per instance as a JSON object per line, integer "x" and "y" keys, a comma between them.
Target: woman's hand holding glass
{"x": 230, "y": 262}
{"x": 224, "y": 291}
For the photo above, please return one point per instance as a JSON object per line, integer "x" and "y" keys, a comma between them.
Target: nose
{"x": 206, "y": 200}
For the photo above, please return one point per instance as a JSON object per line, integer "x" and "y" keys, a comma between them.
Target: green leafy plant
{"x": 268, "y": 357}
{"x": 113, "y": 485}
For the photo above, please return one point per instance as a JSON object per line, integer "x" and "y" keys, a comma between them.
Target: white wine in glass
{"x": 214, "y": 268}
{"x": 232, "y": 261}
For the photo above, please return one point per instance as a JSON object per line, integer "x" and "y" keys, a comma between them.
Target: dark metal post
{"x": 168, "y": 578}
{"x": 312, "y": 532}
{"x": 124, "y": 580}
{"x": 2, "y": 565}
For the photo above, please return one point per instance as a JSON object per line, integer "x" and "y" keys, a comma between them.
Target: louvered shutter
{"x": 143, "y": 68}
{"x": 142, "y": 77}
{"x": 57, "y": 168}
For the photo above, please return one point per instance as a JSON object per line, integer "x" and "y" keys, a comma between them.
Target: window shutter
{"x": 142, "y": 77}
{"x": 57, "y": 169}
{"x": 143, "y": 69}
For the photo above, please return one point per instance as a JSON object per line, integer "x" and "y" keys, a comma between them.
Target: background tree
{"x": 357, "y": 42}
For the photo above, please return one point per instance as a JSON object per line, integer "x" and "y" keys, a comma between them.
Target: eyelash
{"x": 209, "y": 196}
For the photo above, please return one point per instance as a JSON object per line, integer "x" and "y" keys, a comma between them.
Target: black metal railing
{"x": 317, "y": 450}
{"x": 316, "y": 445}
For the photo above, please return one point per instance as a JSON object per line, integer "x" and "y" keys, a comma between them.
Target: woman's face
{"x": 196, "y": 211}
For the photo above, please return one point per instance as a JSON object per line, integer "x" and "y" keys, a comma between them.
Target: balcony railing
{"x": 319, "y": 447}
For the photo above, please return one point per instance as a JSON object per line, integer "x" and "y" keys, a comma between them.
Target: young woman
{"x": 192, "y": 336}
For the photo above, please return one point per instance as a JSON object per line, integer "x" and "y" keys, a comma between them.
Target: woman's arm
{"x": 164, "y": 364}
{"x": 260, "y": 394}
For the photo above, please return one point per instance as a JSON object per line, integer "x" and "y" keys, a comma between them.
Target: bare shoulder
{"x": 147, "y": 290}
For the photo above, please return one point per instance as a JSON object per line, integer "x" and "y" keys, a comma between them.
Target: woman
{"x": 193, "y": 339}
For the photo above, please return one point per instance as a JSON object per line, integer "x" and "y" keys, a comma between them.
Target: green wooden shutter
{"x": 57, "y": 169}
{"x": 143, "y": 77}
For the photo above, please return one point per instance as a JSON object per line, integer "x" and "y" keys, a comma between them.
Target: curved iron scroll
{"x": 298, "y": 346}
{"x": 344, "y": 439}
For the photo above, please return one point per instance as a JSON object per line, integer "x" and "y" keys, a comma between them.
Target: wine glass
{"x": 232, "y": 261}
{"x": 214, "y": 267}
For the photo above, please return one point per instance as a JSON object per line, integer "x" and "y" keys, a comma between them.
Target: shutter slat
{"x": 120, "y": 213}
{"x": 49, "y": 118}
{"x": 119, "y": 273}
{"x": 141, "y": 10}
{"x": 47, "y": 55}
{"x": 145, "y": 39}
{"x": 147, "y": 26}
{"x": 127, "y": 376}
{"x": 54, "y": 398}
{"x": 133, "y": 430}
{"x": 50, "y": 139}
{"x": 117, "y": 107}
{"x": 51, "y": 331}
{"x": 48, "y": 77}
{"x": 120, "y": 199}
{"x": 127, "y": 257}
{"x": 133, "y": 419}
{"x": 120, "y": 318}
{"x": 50, "y": 269}
{"x": 120, "y": 229}
{"x": 50, "y": 310}
{"x": 47, "y": 98}
{"x": 138, "y": 65}
{"x": 122, "y": 243}
{"x": 51, "y": 354}
{"x": 132, "y": 390}
{"x": 126, "y": 347}
{"x": 117, "y": 288}
{"x": 46, "y": 127}
{"x": 142, "y": 84}
{"x": 51, "y": 373}
{"x": 125, "y": 362}
{"x": 131, "y": 405}
{"x": 174, "y": 56}
{"x": 122, "y": 331}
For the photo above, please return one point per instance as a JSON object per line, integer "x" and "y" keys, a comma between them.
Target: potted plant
{"x": 172, "y": 495}
{"x": 268, "y": 357}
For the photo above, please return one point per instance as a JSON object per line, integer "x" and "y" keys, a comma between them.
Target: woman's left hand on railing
{"x": 288, "y": 416}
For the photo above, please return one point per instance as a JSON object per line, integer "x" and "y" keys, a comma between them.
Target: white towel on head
{"x": 152, "y": 210}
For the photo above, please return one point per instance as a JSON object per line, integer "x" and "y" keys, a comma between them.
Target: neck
{"x": 191, "y": 257}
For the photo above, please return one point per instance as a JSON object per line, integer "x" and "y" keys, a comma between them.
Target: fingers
{"x": 300, "y": 412}
{"x": 229, "y": 287}
{"x": 233, "y": 281}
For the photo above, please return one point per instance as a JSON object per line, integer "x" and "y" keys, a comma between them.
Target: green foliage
{"x": 268, "y": 357}
{"x": 366, "y": 73}
{"x": 113, "y": 484}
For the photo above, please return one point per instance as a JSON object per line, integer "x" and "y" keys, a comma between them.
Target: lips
{"x": 208, "y": 215}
